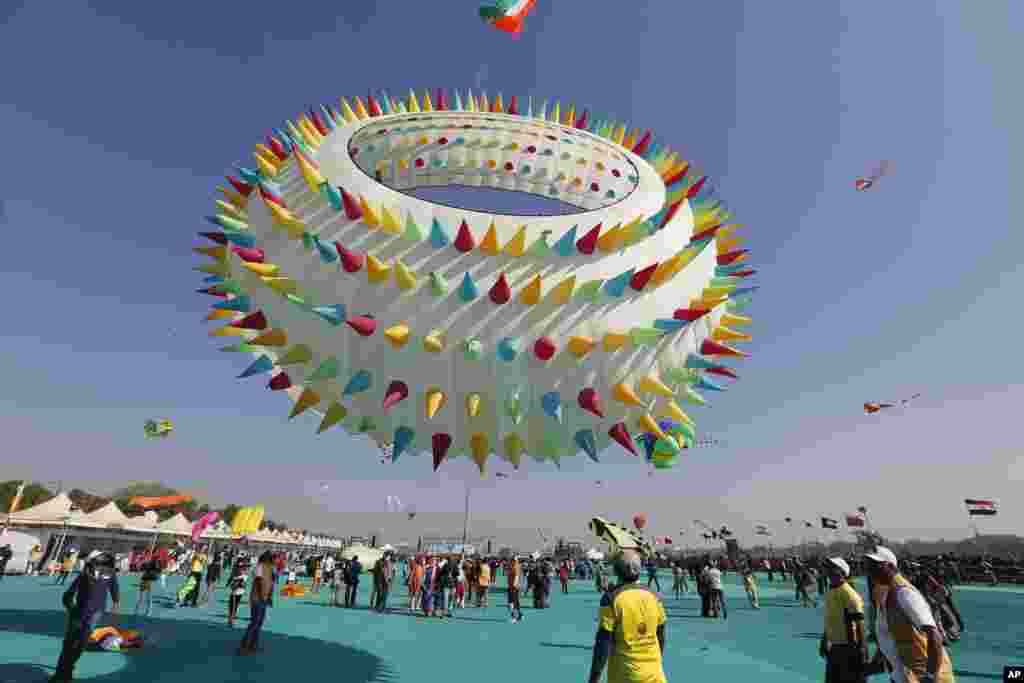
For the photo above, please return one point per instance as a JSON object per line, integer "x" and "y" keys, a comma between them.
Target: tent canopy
{"x": 53, "y": 510}
{"x": 106, "y": 517}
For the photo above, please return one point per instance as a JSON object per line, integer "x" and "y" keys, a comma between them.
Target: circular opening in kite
{"x": 493, "y": 200}
{"x": 481, "y": 161}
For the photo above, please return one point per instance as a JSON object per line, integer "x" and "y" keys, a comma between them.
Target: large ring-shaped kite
{"x": 440, "y": 329}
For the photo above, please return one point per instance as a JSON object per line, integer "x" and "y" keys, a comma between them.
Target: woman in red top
{"x": 563, "y": 576}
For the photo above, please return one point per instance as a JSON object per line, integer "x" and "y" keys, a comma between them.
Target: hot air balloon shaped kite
{"x": 507, "y": 15}
{"x": 435, "y": 329}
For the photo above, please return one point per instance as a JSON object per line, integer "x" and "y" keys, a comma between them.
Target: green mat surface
{"x": 303, "y": 636}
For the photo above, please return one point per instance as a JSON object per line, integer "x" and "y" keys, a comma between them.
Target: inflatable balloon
{"x": 640, "y": 521}
{"x": 432, "y": 328}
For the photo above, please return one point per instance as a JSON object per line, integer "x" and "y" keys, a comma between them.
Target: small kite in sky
{"x": 865, "y": 183}
{"x": 158, "y": 429}
{"x": 507, "y": 15}
{"x": 501, "y": 475}
{"x": 872, "y": 408}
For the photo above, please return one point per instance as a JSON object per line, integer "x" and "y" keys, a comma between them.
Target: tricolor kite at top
{"x": 435, "y": 329}
{"x": 865, "y": 183}
{"x": 507, "y": 15}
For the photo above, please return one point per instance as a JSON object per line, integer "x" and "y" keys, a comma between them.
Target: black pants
{"x": 513, "y": 603}
{"x": 382, "y": 597}
{"x": 351, "y": 592}
{"x": 705, "y": 602}
{"x": 771, "y": 576}
{"x": 3, "y": 568}
{"x": 76, "y": 637}
{"x": 844, "y": 664}
{"x": 233, "y": 602}
{"x": 653, "y": 578}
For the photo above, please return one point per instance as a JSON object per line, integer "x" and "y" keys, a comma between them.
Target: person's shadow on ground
{"x": 198, "y": 651}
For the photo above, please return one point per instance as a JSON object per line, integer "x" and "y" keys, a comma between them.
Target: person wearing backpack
{"x": 150, "y": 573}
{"x": 85, "y": 601}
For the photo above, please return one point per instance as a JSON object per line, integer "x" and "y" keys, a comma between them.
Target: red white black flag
{"x": 855, "y": 520}
{"x": 980, "y": 507}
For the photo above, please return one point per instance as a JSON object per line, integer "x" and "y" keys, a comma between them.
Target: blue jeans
{"x": 257, "y": 615}
{"x": 75, "y": 639}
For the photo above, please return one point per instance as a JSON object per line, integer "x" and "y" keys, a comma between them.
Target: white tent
{"x": 146, "y": 521}
{"x": 53, "y": 510}
{"x": 107, "y": 517}
{"x": 176, "y": 525}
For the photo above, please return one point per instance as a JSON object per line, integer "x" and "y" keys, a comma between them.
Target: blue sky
{"x": 118, "y": 124}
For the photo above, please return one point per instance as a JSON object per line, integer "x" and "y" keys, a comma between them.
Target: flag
{"x": 789, "y": 520}
{"x": 980, "y": 507}
{"x": 862, "y": 510}
{"x": 762, "y": 530}
{"x": 854, "y": 520}
{"x": 16, "y": 502}
{"x": 829, "y": 523}
{"x": 809, "y": 525}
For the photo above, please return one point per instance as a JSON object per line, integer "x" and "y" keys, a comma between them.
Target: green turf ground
{"x": 306, "y": 640}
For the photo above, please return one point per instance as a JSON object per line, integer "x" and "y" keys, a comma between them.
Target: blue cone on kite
{"x": 403, "y": 437}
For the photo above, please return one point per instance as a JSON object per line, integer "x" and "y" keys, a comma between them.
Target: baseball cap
{"x": 883, "y": 555}
{"x": 841, "y": 564}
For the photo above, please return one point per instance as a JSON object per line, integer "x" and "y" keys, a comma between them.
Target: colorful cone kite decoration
{"x": 480, "y": 449}
{"x": 590, "y": 401}
{"x": 307, "y": 399}
{"x": 650, "y": 358}
{"x": 261, "y": 365}
{"x": 544, "y": 348}
{"x": 508, "y": 349}
{"x": 280, "y": 382}
{"x": 335, "y": 414}
{"x": 364, "y": 325}
{"x": 360, "y": 382}
{"x": 500, "y": 293}
{"x": 587, "y": 443}
{"x": 401, "y": 441}
{"x": 435, "y": 400}
{"x": 551, "y": 403}
{"x": 440, "y": 443}
{"x": 620, "y": 434}
{"x": 397, "y": 391}
{"x": 468, "y": 290}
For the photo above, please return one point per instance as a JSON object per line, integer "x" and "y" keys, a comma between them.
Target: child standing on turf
{"x": 336, "y": 587}
{"x": 236, "y": 588}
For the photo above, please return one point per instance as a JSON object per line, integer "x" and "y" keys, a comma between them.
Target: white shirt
{"x": 918, "y": 613}
{"x": 714, "y": 578}
{"x": 329, "y": 564}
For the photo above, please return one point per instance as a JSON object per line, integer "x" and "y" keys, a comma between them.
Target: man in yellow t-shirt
{"x": 631, "y": 629}
{"x": 198, "y": 565}
{"x": 843, "y": 645}
{"x": 484, "y": 578}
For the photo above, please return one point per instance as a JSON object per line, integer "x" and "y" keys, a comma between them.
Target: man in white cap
{"x": 631, "y": 629}
{"x": 907, "y": 637}
{"x": 842, "y": 643}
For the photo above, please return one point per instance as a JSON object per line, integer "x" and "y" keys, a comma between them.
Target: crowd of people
{"x": 911, "y": 613}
